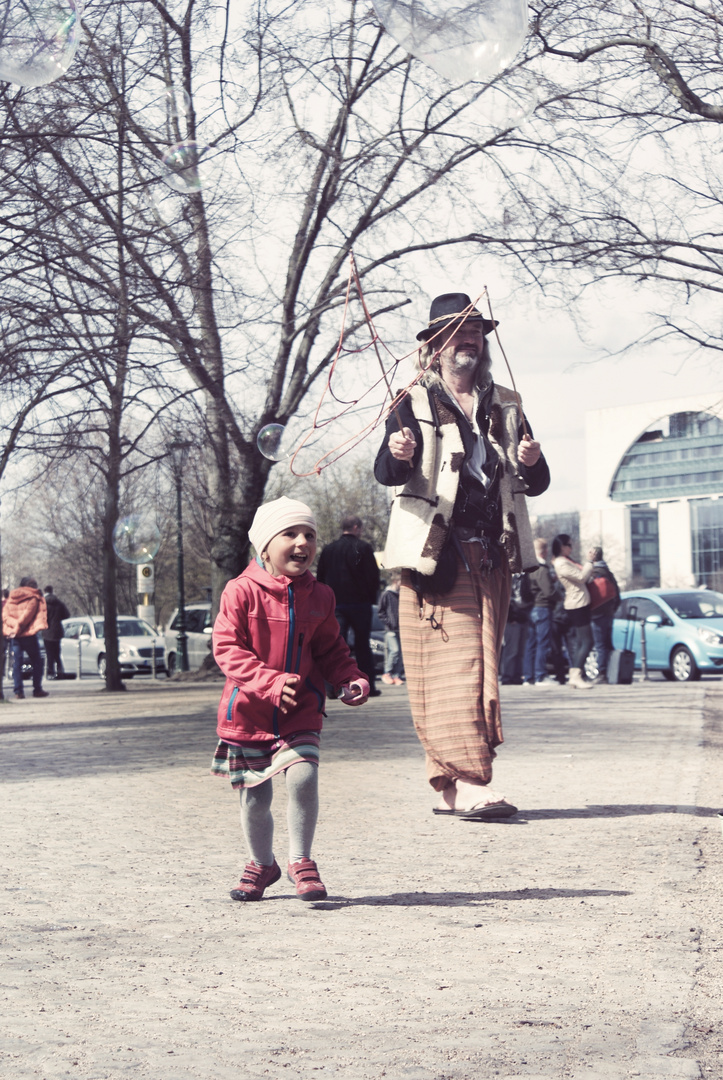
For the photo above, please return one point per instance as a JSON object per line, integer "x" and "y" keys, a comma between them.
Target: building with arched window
{"x": 655, "y": 491}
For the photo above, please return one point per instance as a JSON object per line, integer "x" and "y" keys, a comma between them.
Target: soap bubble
{"x": 178, "y": 103}
{"x": 460, "y": 41}
{"x": 184, "y": 169}
{"x": 38, "y": 39}
{"x": 505, "y": 107}
{"x": 136, "y": 538}
{"x": 275, "y": 443}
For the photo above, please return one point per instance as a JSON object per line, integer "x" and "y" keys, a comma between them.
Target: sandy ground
{"x": 579, "y": 939}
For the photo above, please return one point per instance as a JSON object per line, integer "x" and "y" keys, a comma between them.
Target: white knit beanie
{"x": 273, "y": 517}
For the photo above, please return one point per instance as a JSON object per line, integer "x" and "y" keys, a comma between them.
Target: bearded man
{"x": 461, "y": 454}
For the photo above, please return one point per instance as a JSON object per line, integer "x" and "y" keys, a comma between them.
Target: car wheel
{"x": 171, "y": 664}
{"x": 668, "y": 674}
{"x": 101, "y": 666}
{"x": 683, "y": 665}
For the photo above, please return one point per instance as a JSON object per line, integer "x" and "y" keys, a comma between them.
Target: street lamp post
{"x": 178, "y": 450}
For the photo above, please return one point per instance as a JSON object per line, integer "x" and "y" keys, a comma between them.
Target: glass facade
{"x": 706, "y": 520}
{"x": 644, "y": 547}
{"x": 681, "y": 455}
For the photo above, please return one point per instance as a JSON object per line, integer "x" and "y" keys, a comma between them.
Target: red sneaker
{"x": 254, "y": 880}
{"x": 305, "y": 876}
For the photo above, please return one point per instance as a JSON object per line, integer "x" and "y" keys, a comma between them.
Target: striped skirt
{"x": 451, "y": 650}
{"x": 249, "y": 765}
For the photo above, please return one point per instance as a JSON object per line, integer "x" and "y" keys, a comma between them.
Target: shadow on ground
{"x": 452, "y": 899}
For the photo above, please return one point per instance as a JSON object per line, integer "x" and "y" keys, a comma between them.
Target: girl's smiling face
{"x": 290, "y": 552}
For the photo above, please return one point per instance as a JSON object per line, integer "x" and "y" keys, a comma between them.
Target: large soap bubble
{"x": 136, "y": 538}
{"x": 275, "y": 443}
{"x": 38, "y": 39}
{"x": 460, "y": 41}
{"x": 184, "y": 168}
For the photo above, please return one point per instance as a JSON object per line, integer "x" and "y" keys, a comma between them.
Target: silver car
{"x": 137, "y": 640}
{"x": 198, "y": 636}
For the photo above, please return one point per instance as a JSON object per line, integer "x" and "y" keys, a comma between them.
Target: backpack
{"x": 601, "y": 589}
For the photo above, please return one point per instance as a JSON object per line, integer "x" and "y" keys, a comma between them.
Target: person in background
{"x": 389, "y": 615}
{"x": 540, "y": 586}
{"x": 57, "y": 611}
{"x": 24, "y": 616}
{"x": 348, "y": 566}
{"x": 573, "y": 577}
{"x": 516, "y": 632}
{"x": 602, "y": 615}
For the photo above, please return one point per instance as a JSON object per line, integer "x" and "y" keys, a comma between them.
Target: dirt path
{"x": 576, "y": 940}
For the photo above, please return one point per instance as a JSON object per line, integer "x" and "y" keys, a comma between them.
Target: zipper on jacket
{"x": 298, "y": 655}
{"x": 288, "y": 666}
{"x": 229, "y": 707}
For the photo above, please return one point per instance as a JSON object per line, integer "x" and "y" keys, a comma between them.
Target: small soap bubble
{"x": 503, "y": 107}
{"x": 275, "y": 443}
{"x": 38, "y": 39}
{"x": 184, "y": 169}
{"x": 471, "y": 42}
{"x": 178, "y": 102}
{"x": 136, "y": 538}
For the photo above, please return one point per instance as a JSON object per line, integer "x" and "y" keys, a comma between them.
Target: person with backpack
{"x": 604, "y": 601}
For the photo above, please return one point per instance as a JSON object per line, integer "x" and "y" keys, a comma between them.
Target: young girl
{"x": 276, "y": 639}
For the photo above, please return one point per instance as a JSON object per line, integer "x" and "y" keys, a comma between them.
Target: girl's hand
{"x": 288, "y": 694}
{"x": 355, "y": 693}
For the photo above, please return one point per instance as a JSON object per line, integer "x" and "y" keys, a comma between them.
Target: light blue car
{"x": 683, "y": 630}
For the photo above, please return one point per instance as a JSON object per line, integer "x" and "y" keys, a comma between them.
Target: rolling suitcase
{"x": 621, "y": 662}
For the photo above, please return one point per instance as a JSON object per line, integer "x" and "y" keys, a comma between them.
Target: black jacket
{"x": 539, "y": 587}
{"x": 349, "y": 567}
{"x": 57, "y": 611}
{"x": 389, "y": 609}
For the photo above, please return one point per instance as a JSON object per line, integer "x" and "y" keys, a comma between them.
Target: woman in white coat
{"x": 572, "y": 577}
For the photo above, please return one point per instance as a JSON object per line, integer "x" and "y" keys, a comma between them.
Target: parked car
{"x": 198, "y": 636}
{"x": 136, "y": 641}
{"x": 683, "y": 630}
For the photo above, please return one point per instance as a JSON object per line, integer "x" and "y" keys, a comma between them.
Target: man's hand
{"x": 288, "y": 694}
{"x": 528, "y": 451}
{"x": 402, "y": 444}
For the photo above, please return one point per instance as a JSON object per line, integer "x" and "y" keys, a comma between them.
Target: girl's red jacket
{"x": 267, "y": 628}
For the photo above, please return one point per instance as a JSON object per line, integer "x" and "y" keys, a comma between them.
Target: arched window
{"x": 681, "y": 455}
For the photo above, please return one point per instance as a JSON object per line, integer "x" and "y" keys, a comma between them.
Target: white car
{"x": 137, "y": 640}
{"x": 198, "y": 636}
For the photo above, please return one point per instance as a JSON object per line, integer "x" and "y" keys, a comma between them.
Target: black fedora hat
{"x": 448, "y": 309}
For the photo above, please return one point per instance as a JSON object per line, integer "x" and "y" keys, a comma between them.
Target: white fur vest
{"x": 421, "y": 513}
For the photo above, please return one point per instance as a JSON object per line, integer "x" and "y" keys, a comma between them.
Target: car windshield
{"x": 126, "y": 628}
{"x": 695, "y": 605}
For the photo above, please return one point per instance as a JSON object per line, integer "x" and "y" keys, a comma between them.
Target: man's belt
{"x": 468, "y": 532}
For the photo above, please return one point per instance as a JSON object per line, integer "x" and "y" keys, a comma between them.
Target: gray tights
{"x": 302, "y": 811}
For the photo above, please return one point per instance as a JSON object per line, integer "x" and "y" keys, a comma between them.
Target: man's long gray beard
{"x": 464, "y": 361}
{"x": 468, "y": 361}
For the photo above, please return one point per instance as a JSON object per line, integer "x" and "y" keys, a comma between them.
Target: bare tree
{"x": 644, "y": 206}
{"x": 323, "y": 138}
